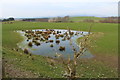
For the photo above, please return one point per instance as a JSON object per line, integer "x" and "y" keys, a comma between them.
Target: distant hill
{"x": 82, "y": 18}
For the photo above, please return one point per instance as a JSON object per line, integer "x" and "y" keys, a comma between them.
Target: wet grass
{"x": 106, "y": 44}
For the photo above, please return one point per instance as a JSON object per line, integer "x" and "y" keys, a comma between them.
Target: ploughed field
{"x": 18, "y": 64}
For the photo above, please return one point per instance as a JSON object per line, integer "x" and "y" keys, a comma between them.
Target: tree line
{"x": 8, "y": 19}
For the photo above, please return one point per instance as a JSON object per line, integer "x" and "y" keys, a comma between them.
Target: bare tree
{"x": 70, "y": 65}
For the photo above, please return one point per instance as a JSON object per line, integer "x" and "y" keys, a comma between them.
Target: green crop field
{"x": 104, "y": 63}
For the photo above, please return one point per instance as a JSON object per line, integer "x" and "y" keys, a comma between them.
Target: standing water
{"x": 51, "y": 42}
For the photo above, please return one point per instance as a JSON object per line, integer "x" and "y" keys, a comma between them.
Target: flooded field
{"x": 52, "y": 42}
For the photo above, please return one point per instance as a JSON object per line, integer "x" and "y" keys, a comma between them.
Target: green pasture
{"x": 106, "y": 44}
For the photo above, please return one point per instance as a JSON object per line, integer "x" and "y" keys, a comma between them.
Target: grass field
{"x": 104, "y": 64}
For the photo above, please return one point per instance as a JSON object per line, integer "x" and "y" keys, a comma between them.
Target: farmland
{"x": 85, "y": 18}
{"x": 105, "y": 50}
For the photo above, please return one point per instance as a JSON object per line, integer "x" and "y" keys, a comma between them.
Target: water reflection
{"x": 55, "y": 43}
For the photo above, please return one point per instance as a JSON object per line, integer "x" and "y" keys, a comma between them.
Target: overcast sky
{"x": 50, "y": 8}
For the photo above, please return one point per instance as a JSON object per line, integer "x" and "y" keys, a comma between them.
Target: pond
{"x": 49, "y": 42}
